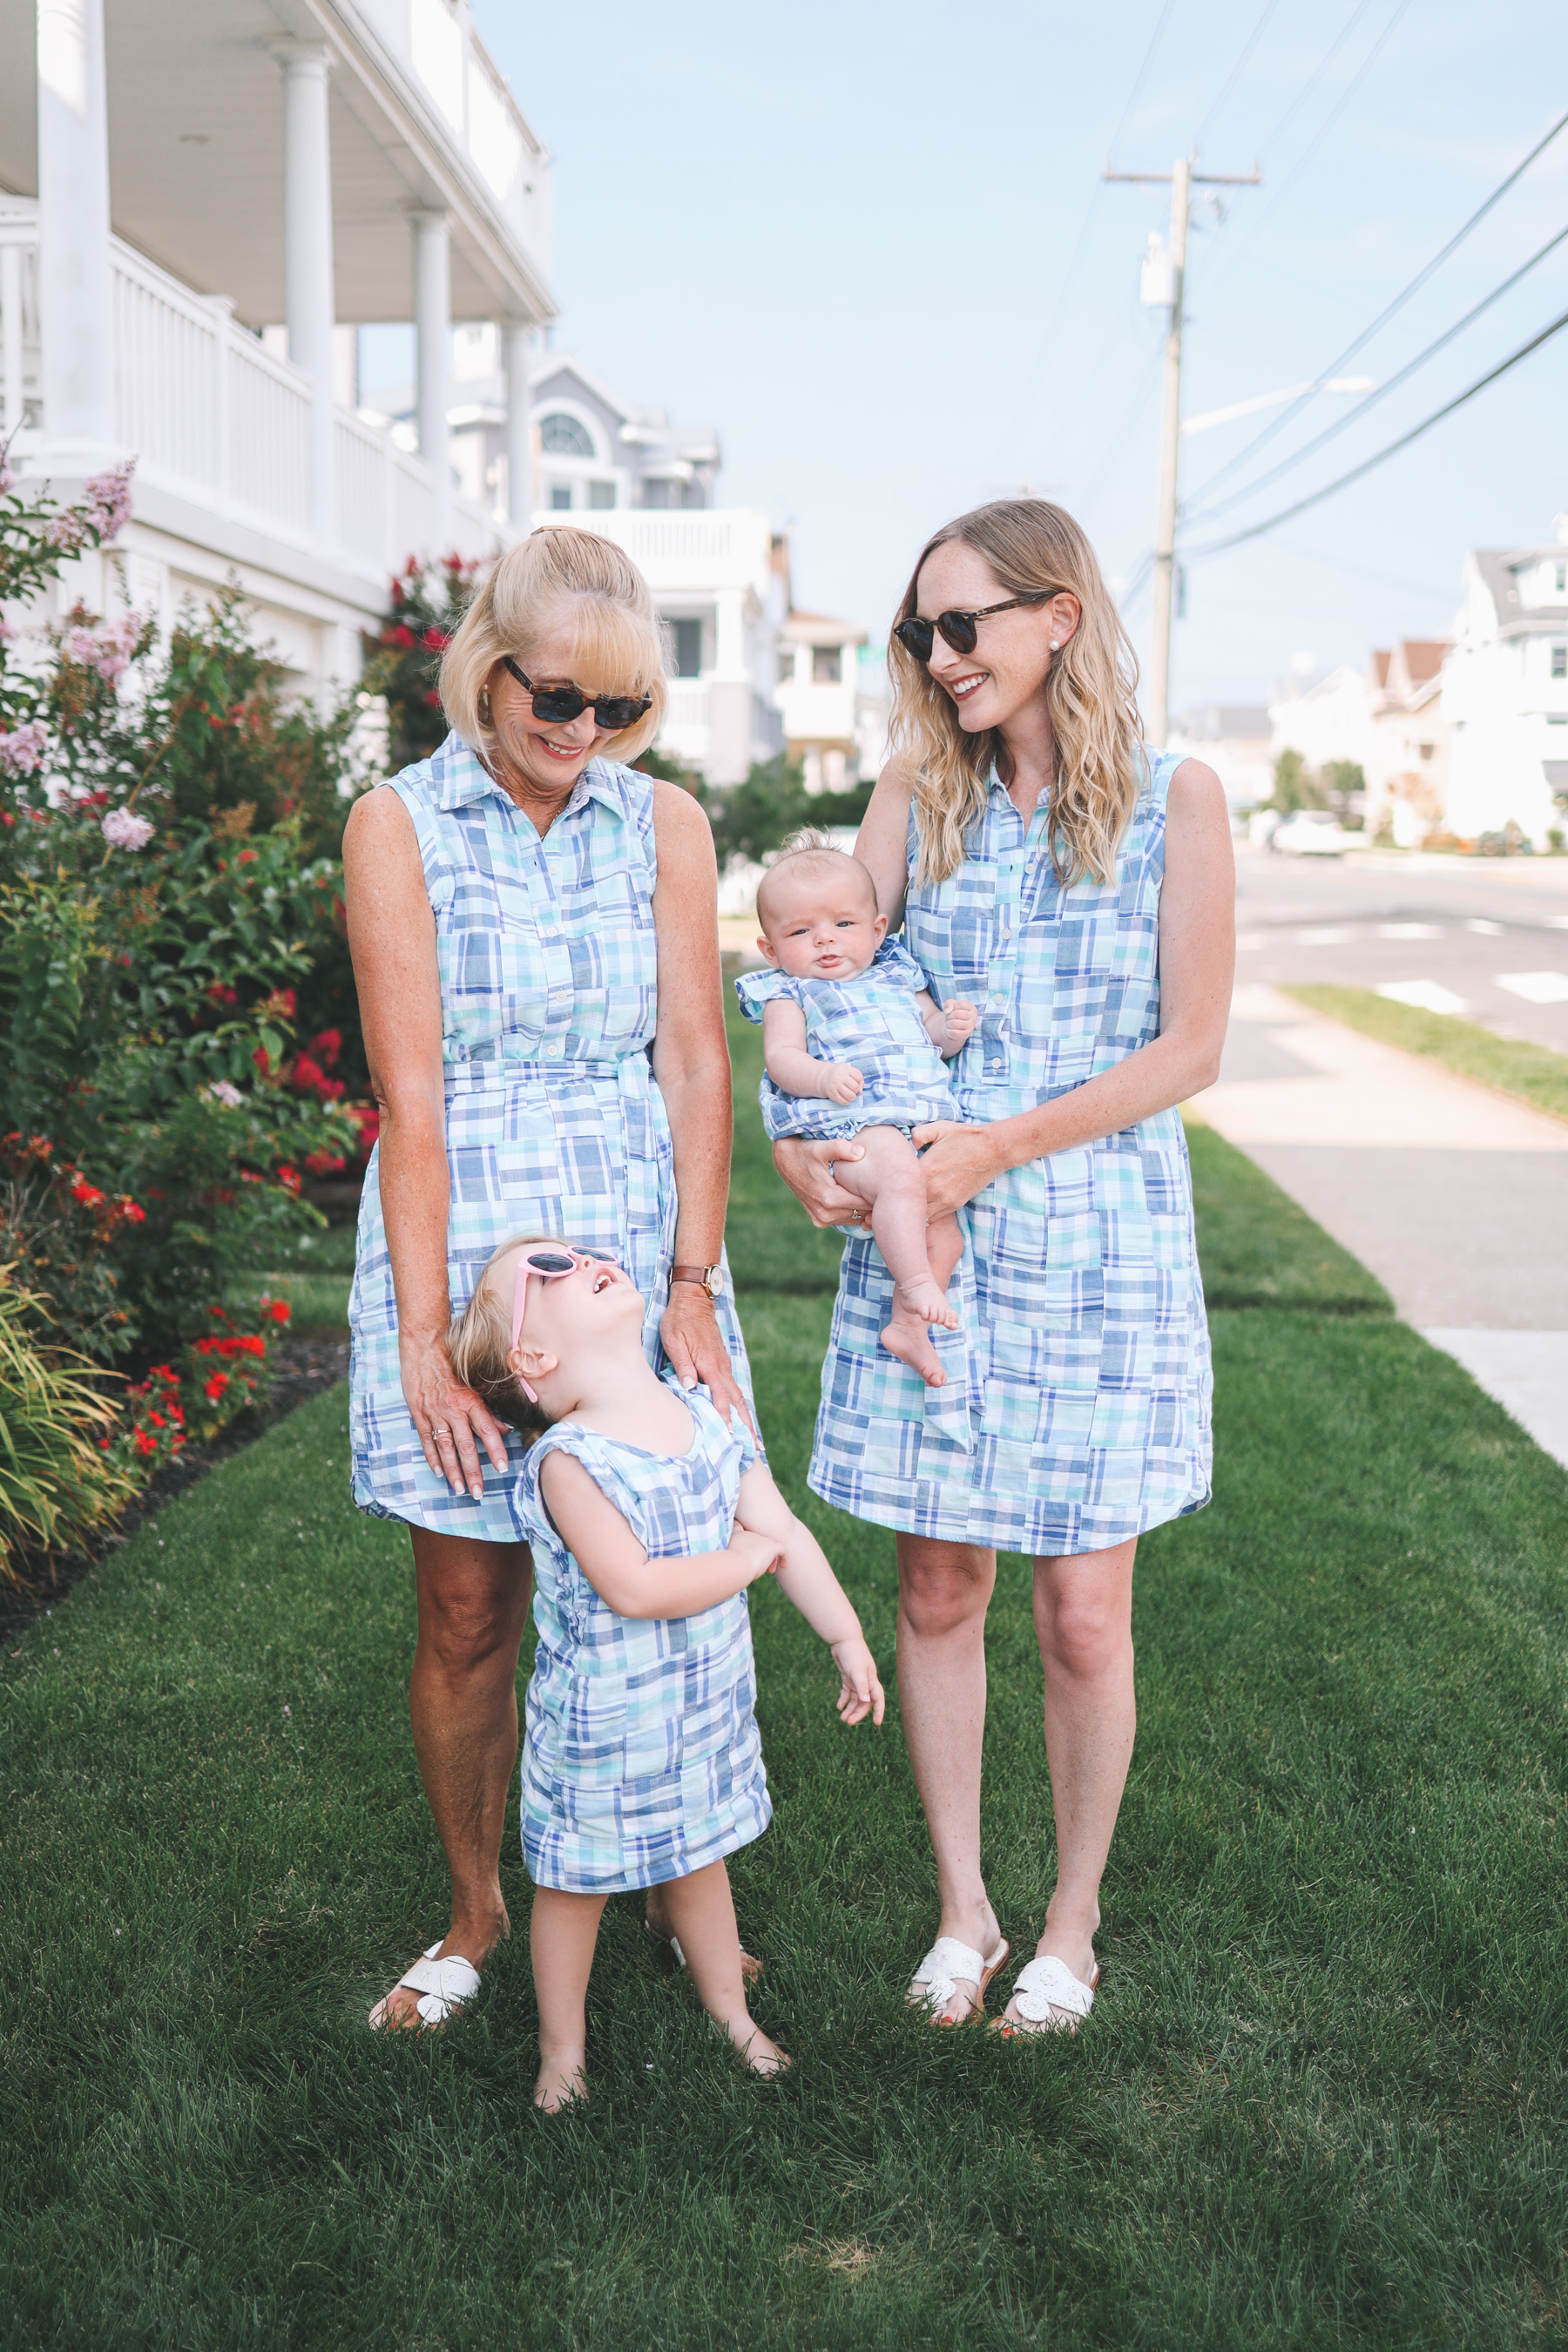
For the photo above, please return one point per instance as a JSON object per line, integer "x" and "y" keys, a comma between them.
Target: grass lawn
{"x": 1511, "y": 1065}
{"x": 1320, "y": 2099}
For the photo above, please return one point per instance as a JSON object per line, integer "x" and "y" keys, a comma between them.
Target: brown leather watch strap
{"x": 708, "y": 1275}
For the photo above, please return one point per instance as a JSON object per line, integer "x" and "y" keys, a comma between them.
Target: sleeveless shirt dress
{"x": 548, "y": 961}
{"x": 642, "y": 1760}
{"x": 1076, "y": 1412}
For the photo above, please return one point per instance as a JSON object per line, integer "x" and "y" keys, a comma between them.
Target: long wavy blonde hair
{"x": 1091, "y": 688}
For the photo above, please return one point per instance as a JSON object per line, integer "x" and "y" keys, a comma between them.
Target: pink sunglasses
{"x": 549, "y": 1264}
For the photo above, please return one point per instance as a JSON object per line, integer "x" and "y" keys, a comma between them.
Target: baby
{"x": 854, "y": 1044}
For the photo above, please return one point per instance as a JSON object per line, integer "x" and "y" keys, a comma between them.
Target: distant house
{"x": 1329, "y": 721}
{"x": 1235, "y": 740}
{"x": 1505, "y": 690}
{"x": 1408, "y": 762}
{"x": 819, "y": 698}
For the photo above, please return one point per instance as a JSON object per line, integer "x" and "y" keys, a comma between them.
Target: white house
{"x": 175, "y": 184}
{"x": 1407, "y": 766}
{"x": 1329, "y": 721}
{"x": 1235, "y": 740}
{"x": 819, "y": 698}
{"x": 1505, "y": 691}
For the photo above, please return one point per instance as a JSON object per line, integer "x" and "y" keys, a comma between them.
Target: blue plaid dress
{"x": 642, "y": 1759}
{"x": 872, "y": 1021}
{"x": 548, "y": 961}
{"x": 1076, "y": 1412}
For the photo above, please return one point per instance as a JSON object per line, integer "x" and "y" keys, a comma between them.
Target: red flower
{"x": 290, "y": 1179}
{"x": 263, "y": 1061}
{"x": 220, "y": 992}
{"x": 217, "y": 1385}
{"x": 156, "y": 1419}
{"x": 146, "y": 1445}
{"x": 329, "y": 1043}
{"x": 323, "y": 1163}
{"x": 6, "y": 818}
{"x": 132, "y": 1213}
{"x": 246, "y": 857}
{"x": 401, "y": 637}
{"x": 433, "y": 641}
{"x": 307, "y": 1076}
{"x": 88, "y": 1194}
{"x": 279, "y": 1308}
{"x": 433, "y": 699}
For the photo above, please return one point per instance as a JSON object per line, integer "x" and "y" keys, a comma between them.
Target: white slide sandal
{"x": 444, "y": 1985}
{"x": 937, "y": 1977}
{"x": 1044, "y": 1985}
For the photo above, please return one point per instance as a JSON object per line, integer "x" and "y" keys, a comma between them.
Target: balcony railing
{"x": 215, "y": 419}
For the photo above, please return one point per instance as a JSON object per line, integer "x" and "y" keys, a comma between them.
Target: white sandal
{"x": 444, "y": 1985}
{"x": 1044, "y": 1984}
{"x": 936, "y": 1980}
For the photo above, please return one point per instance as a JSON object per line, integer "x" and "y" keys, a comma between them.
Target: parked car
{"x": 1310, "y": 832}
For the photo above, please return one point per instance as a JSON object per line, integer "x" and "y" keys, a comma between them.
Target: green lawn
{"x": 1511, "y": 1065}
{"x": 1320, "y": 2099}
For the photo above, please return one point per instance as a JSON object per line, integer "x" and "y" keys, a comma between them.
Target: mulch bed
{"x": 303, "y": 1366}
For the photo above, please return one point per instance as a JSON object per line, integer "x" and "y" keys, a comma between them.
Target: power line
{"x": 1060, "y": 306}
{"x": 1236, "y": 72}
{"x": 1257, "y": 530}
{"x": 1353, "y": 415}
{"x": 1400, "y": 299}
{"x": 1305, "y": 92}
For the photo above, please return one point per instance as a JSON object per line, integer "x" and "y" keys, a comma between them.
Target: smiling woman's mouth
{"x": 961, "y": 686}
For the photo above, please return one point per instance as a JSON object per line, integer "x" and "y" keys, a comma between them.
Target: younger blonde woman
{"x": 1079, "y": 887}
{"x": 648, "y": 1515}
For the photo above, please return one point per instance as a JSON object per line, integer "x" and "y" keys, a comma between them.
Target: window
{"x": 561, "y": 436}
{"x": 656, "y": 493}
{"x": 1560, "y": 661}
{"x": 560, "y": 496}
{"x": 826, "y": 665}
{"x": 786, "y": 664}
{"x": 1563, "y": 580}
{"x": 601, "y": 494}
{"x": 687, "y": 648}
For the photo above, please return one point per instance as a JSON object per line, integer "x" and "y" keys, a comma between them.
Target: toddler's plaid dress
{"x": 548, "y": 962}
{"x": 642, "y": 1759}
{"x": 1076, "y": 1412}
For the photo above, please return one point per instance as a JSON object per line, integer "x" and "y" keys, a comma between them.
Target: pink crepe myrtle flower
{"x": 22, "y": 752}
{"x": 106, "y": 651}
{"x": 223, "y": 1091}
{"x": 122, "y": 829}
{"x": 107, "y": 498}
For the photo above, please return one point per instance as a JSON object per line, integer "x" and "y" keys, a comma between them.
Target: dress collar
{"x": 461, "y": 777}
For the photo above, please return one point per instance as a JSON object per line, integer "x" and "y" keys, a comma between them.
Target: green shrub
{"x": 61, "y": 1482}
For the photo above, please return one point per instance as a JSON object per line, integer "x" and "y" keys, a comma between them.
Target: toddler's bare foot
{"x": 762, "y": 2056}
{"x": 561, "y": 2080}
{"x": 905, "y": 1337}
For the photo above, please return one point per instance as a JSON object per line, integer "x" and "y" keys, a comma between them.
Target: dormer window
{"x": 561, "y": 436}
{"x": 1560, "y": 661}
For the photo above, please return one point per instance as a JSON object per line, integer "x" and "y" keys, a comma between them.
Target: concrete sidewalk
{"x": 1456, "y": 1197}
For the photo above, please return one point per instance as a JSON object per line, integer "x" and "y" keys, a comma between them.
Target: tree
{"x": 1342, "y": 781}
{"x": 1295, "y": 785}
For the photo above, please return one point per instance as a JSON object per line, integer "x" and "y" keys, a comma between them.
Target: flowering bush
{"x": 427, "y": 602}
{"x": 170, "y": 901}
{"x": 192, "y": 1400}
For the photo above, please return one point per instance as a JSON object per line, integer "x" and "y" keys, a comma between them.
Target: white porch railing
{"x": 214, "y": 418}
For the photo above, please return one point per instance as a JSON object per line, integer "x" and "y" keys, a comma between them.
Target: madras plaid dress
{"x": 641, "y": 1761}
{"x": 548, "y": 962}
{"x": 1076, "y": 1412}
{"x": 872, "y": 1021}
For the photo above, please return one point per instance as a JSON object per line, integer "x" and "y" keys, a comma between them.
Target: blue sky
{"x": 871, "y": 243}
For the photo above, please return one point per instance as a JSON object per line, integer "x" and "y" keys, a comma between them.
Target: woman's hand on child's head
{"x": 859, "y": 1688}
{"x": 843, "y": 1082}
{"x": 761, "y": 1554}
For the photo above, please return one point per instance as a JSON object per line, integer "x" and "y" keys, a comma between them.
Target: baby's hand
{"x": 859, "y": 1691}
{"x": 958, "y": 1020}
{"x": 761, "y": 1554}
{"x": 842, "y": 1082}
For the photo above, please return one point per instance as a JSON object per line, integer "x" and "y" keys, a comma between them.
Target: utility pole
{"x": 1164, "y": 272}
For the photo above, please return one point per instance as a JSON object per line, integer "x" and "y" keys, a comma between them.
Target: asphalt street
{"x": 1485, "y": 939}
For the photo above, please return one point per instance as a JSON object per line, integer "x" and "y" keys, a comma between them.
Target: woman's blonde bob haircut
{"x": 559, "y": 574}
{"x": 1091, "y": 688}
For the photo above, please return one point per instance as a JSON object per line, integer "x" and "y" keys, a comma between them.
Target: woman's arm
{"x": 617, "y": 1565}
{"x": 392, "y": 937}
{"x": 692, "y": 1063}
{"x": 806, "y": 1579}
{"x": 1197, "y": 969}
{"x": 883, "y": 840}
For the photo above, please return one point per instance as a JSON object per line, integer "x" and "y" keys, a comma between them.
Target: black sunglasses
{"x": 916, "y": 635}
{"x": 554, "y": 703}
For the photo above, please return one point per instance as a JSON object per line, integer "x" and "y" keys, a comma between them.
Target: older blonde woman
{"x": 527, "y": 915}
{"x": 1080, "y": 890}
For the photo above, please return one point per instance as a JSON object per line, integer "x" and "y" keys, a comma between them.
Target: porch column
{"x": 76, "y": 299}
{"x": 308, "y": 292}
{"x": 518, "y": 432}
{"x": 433, "y": 338}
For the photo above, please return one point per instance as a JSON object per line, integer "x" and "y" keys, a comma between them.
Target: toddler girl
{"x": 649, "y": 1518}
{"x": 854, "y": 1044}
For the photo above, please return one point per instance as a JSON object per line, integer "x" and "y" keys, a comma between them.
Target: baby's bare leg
{"x": 702, "y": 1914}
{"x": 561, "y": 1935}
{"x": 892, "y": 1180}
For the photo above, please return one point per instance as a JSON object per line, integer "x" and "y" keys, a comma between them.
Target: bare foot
{"x": 905, "y": 1337}
{"x": 762, "y": 2056}
{"x": 561, "y": 2081}
{"x": 925, "y": 1301}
